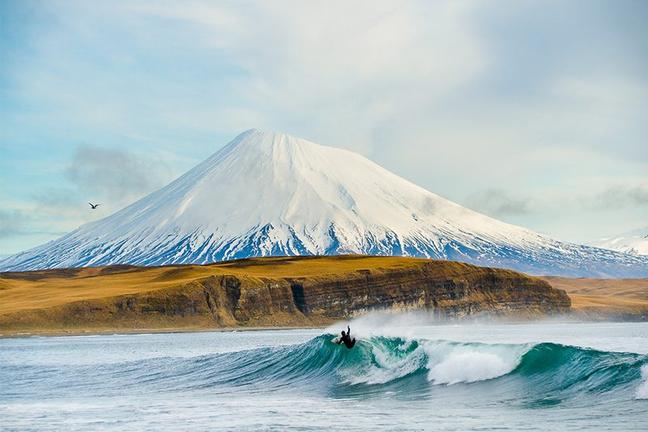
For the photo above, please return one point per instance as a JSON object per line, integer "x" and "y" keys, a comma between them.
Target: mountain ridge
{"x": 634, "y": 242}
{"x": 268, "y": 193}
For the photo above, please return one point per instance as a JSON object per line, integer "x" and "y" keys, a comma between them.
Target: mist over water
{"x": 405, "y": 373}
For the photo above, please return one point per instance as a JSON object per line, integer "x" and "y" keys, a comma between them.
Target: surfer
{"x": 346, "y": 338}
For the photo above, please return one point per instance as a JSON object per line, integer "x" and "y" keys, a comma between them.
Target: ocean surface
{"x": 404, "y": 374}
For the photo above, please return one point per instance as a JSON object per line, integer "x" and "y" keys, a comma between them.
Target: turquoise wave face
{"x": 540, "y": 374}
{"x": 299, "y": 380}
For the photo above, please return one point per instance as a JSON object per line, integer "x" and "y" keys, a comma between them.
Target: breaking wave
{"x": 545, "y": 371}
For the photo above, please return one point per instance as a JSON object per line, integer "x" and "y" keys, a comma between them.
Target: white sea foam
{"x": 446, "y": 362}
{"x": 642, "y": 391}
{"x": 470, "y": 366}
{"x": 602, "y": 336}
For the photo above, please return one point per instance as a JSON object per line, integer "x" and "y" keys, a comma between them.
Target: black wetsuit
{"x": 346, "y": 339}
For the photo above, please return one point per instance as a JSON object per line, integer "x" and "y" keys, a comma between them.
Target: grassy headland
{"x": 282, "y": 291}
{"x": 622, "y": 299}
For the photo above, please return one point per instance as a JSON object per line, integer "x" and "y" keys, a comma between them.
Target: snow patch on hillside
{"x": 633, "y": 242}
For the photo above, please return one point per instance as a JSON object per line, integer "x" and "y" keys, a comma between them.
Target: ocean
{"x": 404, "y": 374}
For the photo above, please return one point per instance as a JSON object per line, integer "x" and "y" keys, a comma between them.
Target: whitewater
{"x": 404, "y": 374}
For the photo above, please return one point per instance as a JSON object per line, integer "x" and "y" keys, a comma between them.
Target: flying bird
{"x": 94, "y": 206}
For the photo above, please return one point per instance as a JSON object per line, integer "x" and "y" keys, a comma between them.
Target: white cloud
{"x": 337, "y": 65}
{"x": 457, "y": 96}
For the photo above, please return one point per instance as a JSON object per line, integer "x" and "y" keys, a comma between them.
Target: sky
{"x": 533, "y": 112}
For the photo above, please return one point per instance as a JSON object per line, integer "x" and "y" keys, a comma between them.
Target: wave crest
{"x": 380, "y": 364}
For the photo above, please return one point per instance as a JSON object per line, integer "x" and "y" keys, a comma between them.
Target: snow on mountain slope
{"x": 274, "y": 194}
{"x": 634, "y": 242}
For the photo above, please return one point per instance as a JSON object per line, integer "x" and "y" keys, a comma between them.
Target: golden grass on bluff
{"x": 281, "y": 291}
{"x": 606, "y": 297}
{"x": 46, "y": 288}
{"x": 330, "y": 288}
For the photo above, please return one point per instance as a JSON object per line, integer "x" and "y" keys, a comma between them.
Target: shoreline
{"x": 573, "y": 318}
{"x": 143, "y": 331}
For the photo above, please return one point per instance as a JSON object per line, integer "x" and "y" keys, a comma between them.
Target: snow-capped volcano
{"x": 274, "y": 194}
{"x": 634, "y": 242}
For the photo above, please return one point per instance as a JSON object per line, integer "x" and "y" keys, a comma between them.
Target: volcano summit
{"x": 274, "y": 194}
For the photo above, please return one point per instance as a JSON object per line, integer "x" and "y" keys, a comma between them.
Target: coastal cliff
{"x": 291, "y": 291}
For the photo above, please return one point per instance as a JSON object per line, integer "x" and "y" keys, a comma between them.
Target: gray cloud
{"x": 113, "y": 177}
{"x": 621, "y": 197}
{"x": 498, "y": 203}
{"x": 112, "y": 174}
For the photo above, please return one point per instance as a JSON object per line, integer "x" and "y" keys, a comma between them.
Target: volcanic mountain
{"x": 274, "y": 194}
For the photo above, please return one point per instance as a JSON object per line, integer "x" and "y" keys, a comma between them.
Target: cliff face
{"x": 245, "y": 294}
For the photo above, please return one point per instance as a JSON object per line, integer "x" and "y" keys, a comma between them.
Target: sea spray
{"x": 468, "y": 365}
{"x": 642, "y": 391}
